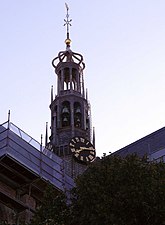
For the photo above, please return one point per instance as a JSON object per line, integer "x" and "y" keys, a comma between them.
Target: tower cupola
{"x": 69, "y": 66}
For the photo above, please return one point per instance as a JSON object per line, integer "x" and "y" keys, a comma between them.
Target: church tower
{"x": 71, "y": 134}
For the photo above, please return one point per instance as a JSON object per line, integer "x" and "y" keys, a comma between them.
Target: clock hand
{"x": 84, "y": 148}
{"x": 78, "y": 150}
{"x": 89, "y": 149}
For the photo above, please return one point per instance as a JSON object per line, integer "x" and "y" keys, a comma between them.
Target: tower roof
{"x": 68, "y": 55}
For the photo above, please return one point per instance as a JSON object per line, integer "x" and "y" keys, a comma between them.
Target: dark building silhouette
{"x": 152, "y": 146}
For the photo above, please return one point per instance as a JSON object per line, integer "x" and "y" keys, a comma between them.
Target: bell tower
{"x": 70, "y": 109}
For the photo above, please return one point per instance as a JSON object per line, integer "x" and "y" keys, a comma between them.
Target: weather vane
{"x": 67, "y": 21}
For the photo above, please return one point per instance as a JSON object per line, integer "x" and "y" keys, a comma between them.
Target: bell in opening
{"x": 78, "y": 110}
{"x": 65, "y": 110}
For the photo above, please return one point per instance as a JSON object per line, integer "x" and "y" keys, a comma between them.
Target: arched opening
{"x": 74, "y": 79}
{"x": 66, "y": 79}
{"x": 77, "y": 115}
{"x": 65, "y": 114}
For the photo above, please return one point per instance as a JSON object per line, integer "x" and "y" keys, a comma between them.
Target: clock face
{"x": 82, "y": 149}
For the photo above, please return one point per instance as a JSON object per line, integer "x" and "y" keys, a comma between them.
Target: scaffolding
{"x": 26, "y": 168}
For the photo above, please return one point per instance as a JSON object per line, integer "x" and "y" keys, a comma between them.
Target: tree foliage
{"x": 120, "y": 191}
{"x": 53, "y": 211}
{"x": 114, "y": 191}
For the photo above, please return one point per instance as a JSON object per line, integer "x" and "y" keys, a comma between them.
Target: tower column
{"x": 72, "y": 118}
{"x": 59, "y": 84}
{"x": 54, "y": 125}
{"x": 58, "y": 115}
{"x": 83, "y": 91}
{"x": 78, "y": 82}
{"x": 71, "y": 78}
{"x": 84, "y": 117}
{"x": 62, "y": 79}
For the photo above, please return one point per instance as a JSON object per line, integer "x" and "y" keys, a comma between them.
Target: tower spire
{"x": 67, "y": 23}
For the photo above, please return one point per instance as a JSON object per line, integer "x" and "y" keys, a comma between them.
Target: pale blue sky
{"x": 123, "y": 44}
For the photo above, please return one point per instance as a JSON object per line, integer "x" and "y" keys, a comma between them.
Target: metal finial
{"x": 46, "y": 134}
{"x": 41, "y": 141}
{"x": 9, "y": 115}
{"x": 51, "y": 93}
{"x": 67, "y": 22}
{"x": 8, "y": 119}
